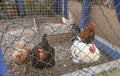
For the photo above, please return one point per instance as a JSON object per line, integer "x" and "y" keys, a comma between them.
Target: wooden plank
{"x": 59, "y": 38}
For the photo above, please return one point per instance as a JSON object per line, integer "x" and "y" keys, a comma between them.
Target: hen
{"x": 84, "y": 53}
{"x": 21, "y": 53}
{"x": 43, "y": 55}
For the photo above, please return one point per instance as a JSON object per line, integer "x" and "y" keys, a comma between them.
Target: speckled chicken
{"x": 21, "y": 53}
{"x": 43, "y": 55}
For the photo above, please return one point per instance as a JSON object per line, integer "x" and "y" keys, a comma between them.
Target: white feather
{"x": 81, "y": 54}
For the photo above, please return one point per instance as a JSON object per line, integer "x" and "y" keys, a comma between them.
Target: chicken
{"x": 43, "y": 55}
{"x": 84, "y": 53}
{"x": 21, "y": 53}
{"x": 88, "y": 34}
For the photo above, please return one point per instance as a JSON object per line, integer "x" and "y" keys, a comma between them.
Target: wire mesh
{"x": 24, "y": 24}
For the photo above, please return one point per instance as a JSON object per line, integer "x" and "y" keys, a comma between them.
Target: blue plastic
{"x": 117, "y": 7}
{"x": 108, "y": 50}
{"x": 56, "y": 7}
{"x": 85, "y": 14}
{"x": 3, "y": 66}
{"x": 20, "y": 5}
{"x": 64, "y": 8}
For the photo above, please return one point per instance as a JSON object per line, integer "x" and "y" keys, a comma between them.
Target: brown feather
{"x": 88, "y": 34}
{"x": 21, "y": 54}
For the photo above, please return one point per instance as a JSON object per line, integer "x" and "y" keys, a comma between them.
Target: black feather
{"x": 50, "y": 61}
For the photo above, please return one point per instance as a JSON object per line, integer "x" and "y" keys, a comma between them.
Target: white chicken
{"x": 84, "y": 53}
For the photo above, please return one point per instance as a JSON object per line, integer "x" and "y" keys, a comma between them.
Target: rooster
{"x": 88, "y": 34}
{"x": 43, "y": 55}
{"x": 83, "y": 48}
{"x": 21, "y": 53}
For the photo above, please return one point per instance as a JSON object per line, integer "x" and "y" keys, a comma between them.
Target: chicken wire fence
{"x": 35, "y": 25}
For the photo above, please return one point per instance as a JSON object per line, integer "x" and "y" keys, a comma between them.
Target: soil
{"x": 63, "y": 64}
{"x": 107, "y": 27}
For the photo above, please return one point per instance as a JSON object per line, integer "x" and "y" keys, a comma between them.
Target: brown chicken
{"x": 88, "y": 34}
{"x": 21, "y": 53}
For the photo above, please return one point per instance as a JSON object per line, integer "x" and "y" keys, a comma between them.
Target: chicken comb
{"x": 40, "y": 51}
{"x": 92, "y": 26}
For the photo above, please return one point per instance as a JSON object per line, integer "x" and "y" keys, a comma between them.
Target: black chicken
{"x": 43, "y": 55}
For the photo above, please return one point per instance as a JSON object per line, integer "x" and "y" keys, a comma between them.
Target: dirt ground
{"x": 63, "y": 64}
{"x": 107, "y": 27}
